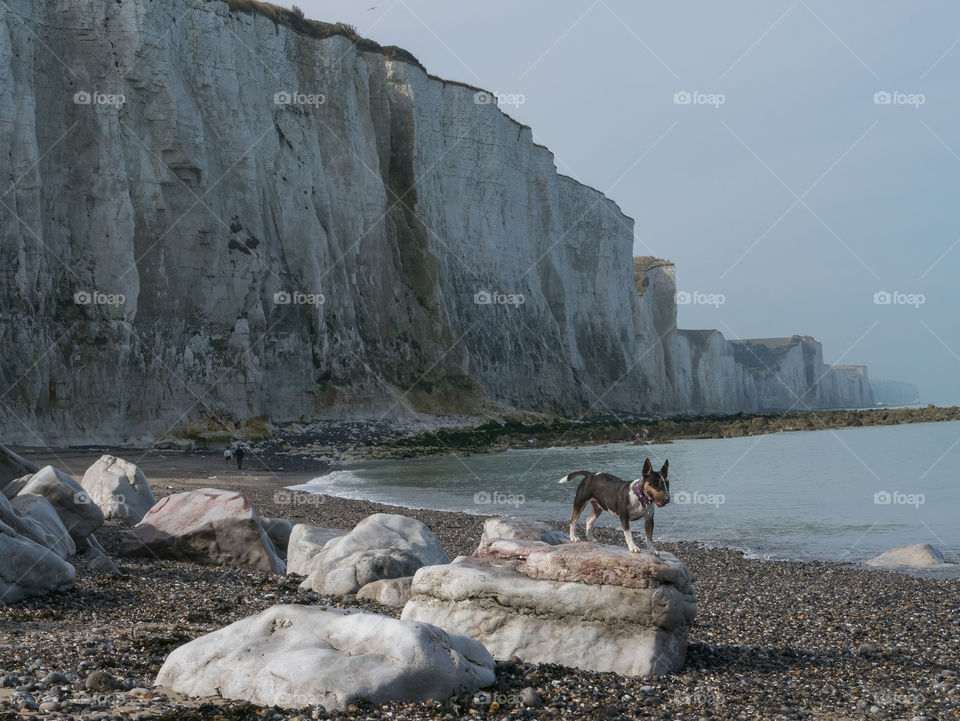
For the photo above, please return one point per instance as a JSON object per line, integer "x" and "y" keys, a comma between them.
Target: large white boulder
{"x": 584, "y": 605}
{"x": 383, "y": 545}
{"x": 305, "y": 542}
{"x": 521, "y": 530}
{"x": 45, "y": 526}
{"x": 207, "y": 526}
{"x": 76, "y": 509}
{"x": 29, "y": 569}
{"x": 917, "y": 555}
{"x": 297, "y": 656}
{"x": 120, "y": 488}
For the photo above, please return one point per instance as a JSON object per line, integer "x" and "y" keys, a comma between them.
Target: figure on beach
{"x": 227, "y": 455}
{"x": 238, "y": 454}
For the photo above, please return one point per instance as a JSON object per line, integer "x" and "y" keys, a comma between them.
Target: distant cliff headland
{"x": 226, "y": 216}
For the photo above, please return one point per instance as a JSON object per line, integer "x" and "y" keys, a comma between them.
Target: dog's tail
{"x": 574, "y": 475}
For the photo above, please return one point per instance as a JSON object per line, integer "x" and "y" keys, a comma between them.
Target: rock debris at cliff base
{"x": 772, "y": 640}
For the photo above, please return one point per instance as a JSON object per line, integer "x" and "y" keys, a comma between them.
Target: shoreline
{"x": 766, "y": 632}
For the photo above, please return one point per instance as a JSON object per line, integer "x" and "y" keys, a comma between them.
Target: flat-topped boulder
{"x": 120, "y": 488}
{"x": 583, "y": 605}
{"x": 207, "y": 526}
{"x": 29, "y": 569}
{"x": 520, "y": 529}
{"x": 296, "y": 656}
{"x": 383, "y": 545}
{"x": 76, "y": 509}
{"x": 917, "y": 555}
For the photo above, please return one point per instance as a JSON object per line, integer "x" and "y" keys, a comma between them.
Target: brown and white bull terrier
{"x": 626, "y": 500}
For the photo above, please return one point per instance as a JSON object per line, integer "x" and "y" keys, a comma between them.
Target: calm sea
{"x": 839, "y": 495}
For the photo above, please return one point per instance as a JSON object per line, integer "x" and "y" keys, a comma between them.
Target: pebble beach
{"x": 772, "y": 639}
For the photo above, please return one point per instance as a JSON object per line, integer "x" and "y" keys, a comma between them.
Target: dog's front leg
{"x": 625, "y": 524}
{"x": 648, "y": 529}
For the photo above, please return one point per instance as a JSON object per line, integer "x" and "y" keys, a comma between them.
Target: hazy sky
{"x": 786, "y": 184}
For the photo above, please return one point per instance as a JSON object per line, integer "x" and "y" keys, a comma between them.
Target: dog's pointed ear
{"x": 663, "y": 469}
{"x": 647, "y": 468}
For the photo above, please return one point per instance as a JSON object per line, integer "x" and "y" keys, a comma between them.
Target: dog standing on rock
{"x": 626, "y": 500}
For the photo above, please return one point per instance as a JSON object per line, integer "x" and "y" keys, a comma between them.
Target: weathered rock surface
{"x": 323, "y": 295}
{"x": 521, "y": 530}
{"x": 297, "y": 656}
{"x": 45, "y": 526}
{"x": 120, "y": 488}
{"x": 29, "y": 569}
{"x": 583, "y": 605}
{"x": 279, "y": 530}
{"x": 918, "y": 555}
{"x": 306, "y": 541}
{"x": 14, "y": 487}
{"x": 383, "y": 545}
{"x": 388, "y": 591}
{"x": 77, "y": 511}
{"x": 206, "y": 526}
{"x": 350, "y": 574}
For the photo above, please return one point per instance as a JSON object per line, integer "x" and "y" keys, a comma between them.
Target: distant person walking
{"x": 227, "y": 455}
{"x": 238, "y": 454}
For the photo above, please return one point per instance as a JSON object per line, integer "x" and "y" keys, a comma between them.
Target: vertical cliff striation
{"x": 207, "y": 216}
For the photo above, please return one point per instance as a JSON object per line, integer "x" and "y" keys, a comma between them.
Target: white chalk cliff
{"x": 179, "y": 244}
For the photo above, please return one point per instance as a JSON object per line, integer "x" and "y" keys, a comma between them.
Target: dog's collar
{"x": 636, "y": 489}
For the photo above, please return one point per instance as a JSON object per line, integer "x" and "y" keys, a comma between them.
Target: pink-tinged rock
{"x": 583, "y": 605}
{"x": 207, "y": 526}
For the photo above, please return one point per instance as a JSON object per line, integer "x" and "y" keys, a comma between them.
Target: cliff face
{"x": 701, "y": 371}
{"x": 894, "y": 393}
{"x": 211, "y": 217}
